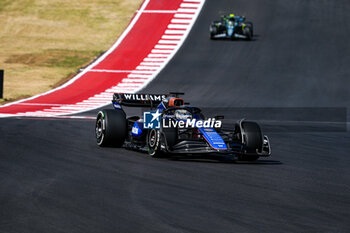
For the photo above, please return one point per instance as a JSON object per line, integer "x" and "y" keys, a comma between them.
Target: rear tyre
{"x": 111, "y": 128}
{"x": 253, "y": 139}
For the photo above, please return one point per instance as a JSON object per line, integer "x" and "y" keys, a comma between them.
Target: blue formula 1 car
{"x": 172, "y": 127}
{"x": 231, "y": 27}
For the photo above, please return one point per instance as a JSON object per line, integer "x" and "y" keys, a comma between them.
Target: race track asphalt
{"x": 53, "y": 177}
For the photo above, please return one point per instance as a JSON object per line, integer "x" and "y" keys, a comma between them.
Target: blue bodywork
{"x": 213, "y": 138}
{"x": 116, "y": 105}
{"x": 137, "y": 129}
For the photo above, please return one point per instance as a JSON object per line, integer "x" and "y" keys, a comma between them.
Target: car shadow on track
{"x": 255, "y": 38}
{"x": 205, "y": 158}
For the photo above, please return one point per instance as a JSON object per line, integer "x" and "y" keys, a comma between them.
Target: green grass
{"x": 4, "y": 4}
{"x": 54, "y": 58}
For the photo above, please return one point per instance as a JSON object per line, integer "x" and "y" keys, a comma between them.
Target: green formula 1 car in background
{"x": 231, "y": 27}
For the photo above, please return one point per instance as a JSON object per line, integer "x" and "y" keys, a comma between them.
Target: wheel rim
{"x": 152, "y": 138}
{"x": 99, "y": 129}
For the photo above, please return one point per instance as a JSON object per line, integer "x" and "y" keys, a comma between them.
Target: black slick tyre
{"x": 111, "y": 128}
{"x": 248, "y": 33}
{"x": 213, "y": 32}
{"x": 253, "y": 139}
{"x": 250, "y": 24}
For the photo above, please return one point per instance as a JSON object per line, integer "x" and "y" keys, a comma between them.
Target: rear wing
{"x": 140, "y": 100}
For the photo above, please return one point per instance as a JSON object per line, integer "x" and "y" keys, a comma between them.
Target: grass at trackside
{"x": 54, "y": 58}
{"x": 44, "y": 42}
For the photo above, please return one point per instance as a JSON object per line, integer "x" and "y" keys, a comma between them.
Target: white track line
{"x": 86, "y": 104}
{"x": 189, "y": 16}
{"x": 142, "y": 72}
{"x": 195, "y": 5}
{"x": 75, "y": 107}
{"x": 41, "y": 104}
{"x": 157, "y": 55}
{"x": 184, "y": 10}
{"x": 177, "y": 26}
{"x": 94, "y": 102}
{"x": 161, "y": 51}
{"x": 180, "y": 21}
{"x": 145, "y": 68}
{"x": 56, "y": 111}
{"x": 104, "y": 94}
{"x": 158, "y": 11}
{"x": 111, "y": 71}
{"x": 168, "y": 42}
{"x": 130, "y": 84}
{"x": 171, "y": 37}
{"x": 139, "y": 76}
{"x": 178, "y": 32}
{"x": 154, "y": 59}
{"x": 133, "y": 80}
{"x": 165, "y": 46}
{"x": 150, "y": 64}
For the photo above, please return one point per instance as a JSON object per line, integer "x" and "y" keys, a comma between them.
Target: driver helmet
{"x": 183, "y": 114}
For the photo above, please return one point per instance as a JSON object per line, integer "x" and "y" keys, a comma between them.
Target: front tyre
{"x": 247, "y": 31}
{"x": 253, "y": 140}
{"x": 153, "y": 143}
{"x": 110, "y": 128}
{"x": 213, "y": 31}
{"x": 250, "y": 24}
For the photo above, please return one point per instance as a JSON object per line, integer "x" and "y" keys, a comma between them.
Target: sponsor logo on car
{"x": 152, "y": 120}
{"x": 144, "y": 97}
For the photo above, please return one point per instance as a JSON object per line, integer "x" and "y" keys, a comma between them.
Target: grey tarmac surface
{"x": 54, "y": 178}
